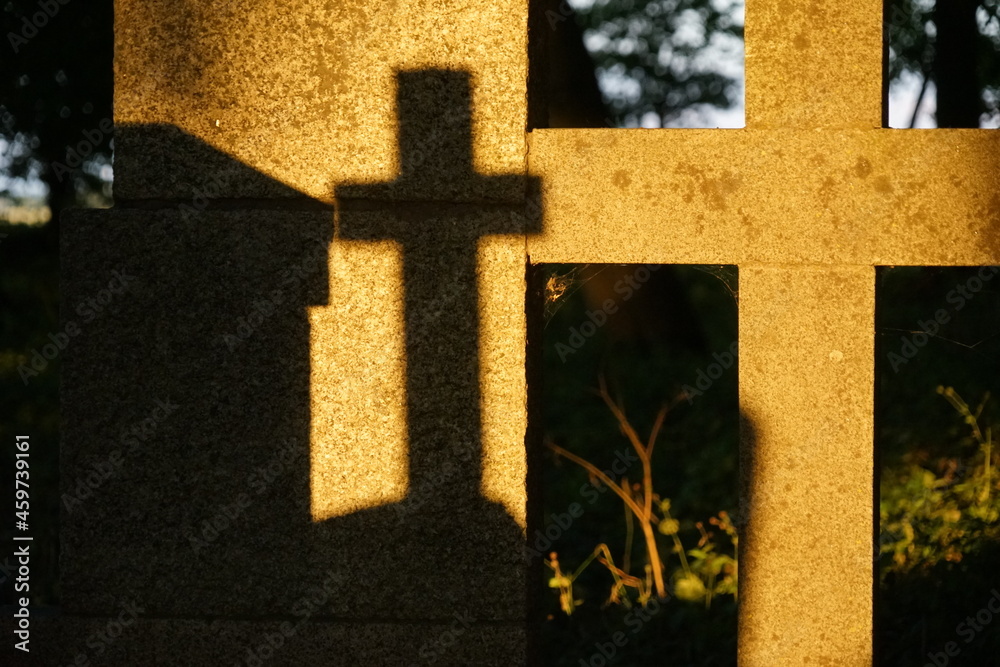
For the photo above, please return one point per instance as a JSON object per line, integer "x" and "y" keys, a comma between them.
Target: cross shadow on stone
{"x": 209, "y": 509}
{"x": 444, "y": 548}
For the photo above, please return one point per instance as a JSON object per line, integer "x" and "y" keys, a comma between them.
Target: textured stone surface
{"x": 305, "y": 92}
{"x": 212, "y": 508}
{"x": 297, "y": 639}
{"x": 814, "y": 64}
{"x": 806, "y": 390}
{"x": 732, "y": 196}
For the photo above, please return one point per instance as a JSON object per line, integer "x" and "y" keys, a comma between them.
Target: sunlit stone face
{"x": 358, "y": 401}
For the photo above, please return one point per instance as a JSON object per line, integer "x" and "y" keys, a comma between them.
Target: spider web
{"x": 562, "y": 281}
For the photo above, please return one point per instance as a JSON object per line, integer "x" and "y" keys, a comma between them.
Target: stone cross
{"x": 807, "y": 201}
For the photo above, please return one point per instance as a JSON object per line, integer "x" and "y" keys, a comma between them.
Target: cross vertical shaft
{"x": 439, "y": 236}
{"x": 806, "y": 388}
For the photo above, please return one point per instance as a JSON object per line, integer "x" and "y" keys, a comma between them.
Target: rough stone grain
{"x": 807, "y": 395}
{"x": 813, "y": 64}
{"x": 306, "y": 92}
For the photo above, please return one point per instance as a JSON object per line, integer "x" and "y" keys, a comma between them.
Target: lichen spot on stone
{"x": 621, "y": 179}
{"x": 882, "y": 184}
{"x": 863, "y": 168}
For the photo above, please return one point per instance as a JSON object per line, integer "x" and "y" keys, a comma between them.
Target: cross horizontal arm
{"x": 861, "y": 197}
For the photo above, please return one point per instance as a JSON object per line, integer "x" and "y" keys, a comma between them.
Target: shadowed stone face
{"x": 229, "y": 315}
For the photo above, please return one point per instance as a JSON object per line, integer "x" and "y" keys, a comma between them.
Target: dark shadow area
{"x": 29, "y": 399}
{"x": 208, "y": 513}
{"x": 612, "y": 321}
{"x": 938, "y": 352}
{"x": 173, "y": 161}
{"x": 208, "y": 317}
